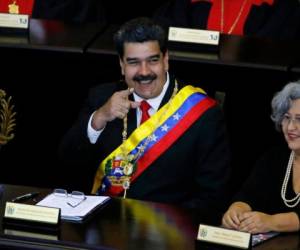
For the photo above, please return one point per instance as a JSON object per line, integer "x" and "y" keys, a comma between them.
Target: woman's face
{"x": 291, "y": 126}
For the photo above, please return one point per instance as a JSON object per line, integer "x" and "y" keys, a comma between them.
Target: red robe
{"x": 25, "y": 6}
{"x": 234, "y": 11}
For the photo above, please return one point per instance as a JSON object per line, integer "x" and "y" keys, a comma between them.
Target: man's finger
{"x": 125, "y": 93}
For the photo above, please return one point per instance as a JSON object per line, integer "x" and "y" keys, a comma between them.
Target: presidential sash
{"x": 158, "y": 133}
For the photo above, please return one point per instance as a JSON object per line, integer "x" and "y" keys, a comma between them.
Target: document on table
{"x": 68, "y": 212}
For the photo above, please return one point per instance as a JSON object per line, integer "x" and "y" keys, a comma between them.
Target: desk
{"x": 123, "y": 224}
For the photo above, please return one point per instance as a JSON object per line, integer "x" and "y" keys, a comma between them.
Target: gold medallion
{"x": 13, "y": 8}
{"x": 128, "y": 169}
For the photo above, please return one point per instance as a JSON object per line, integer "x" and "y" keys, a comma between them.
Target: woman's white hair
{"x": 282, "y": 100}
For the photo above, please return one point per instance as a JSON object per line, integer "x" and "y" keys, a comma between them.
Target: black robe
{"x": 77, "y": 11}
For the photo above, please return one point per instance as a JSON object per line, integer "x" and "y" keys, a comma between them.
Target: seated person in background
{"x": 179, "y": 155}
{"x": 78, "y": 11}
{"x": 267, "y": 18}
{"x": 269, "y": 200}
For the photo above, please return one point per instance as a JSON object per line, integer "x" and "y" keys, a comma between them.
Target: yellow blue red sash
{"x": 164, "y": 127}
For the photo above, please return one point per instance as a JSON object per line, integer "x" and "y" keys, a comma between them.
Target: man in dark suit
{"x": 179, "y": 155}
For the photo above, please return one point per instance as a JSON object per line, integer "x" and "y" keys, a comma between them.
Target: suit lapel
{"x": 169, "y": 92}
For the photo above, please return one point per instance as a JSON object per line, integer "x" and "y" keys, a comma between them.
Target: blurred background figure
{"x": 267, "y": 18}
{"x": 78, "y": 11}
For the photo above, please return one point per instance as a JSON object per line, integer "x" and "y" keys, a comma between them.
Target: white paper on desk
{"x": 70, "y": 213}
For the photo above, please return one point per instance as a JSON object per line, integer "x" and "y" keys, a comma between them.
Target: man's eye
{"x": 153, "y": 60}
{"x": 132, "y": 62}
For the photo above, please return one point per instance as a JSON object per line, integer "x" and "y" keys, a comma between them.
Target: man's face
{"x": 144, "y": 68}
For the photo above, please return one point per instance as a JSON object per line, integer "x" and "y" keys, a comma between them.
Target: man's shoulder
{"x": 183, "y": 83}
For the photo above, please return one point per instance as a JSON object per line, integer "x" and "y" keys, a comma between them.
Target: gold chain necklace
{"x": 130, "y": 160}
{"x": 294, "y": 201}
{"x": 236, "y": 19}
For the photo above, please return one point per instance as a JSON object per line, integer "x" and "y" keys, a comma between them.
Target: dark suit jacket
{"x": 281, "y": 20}
{"x": 192, "y": 172}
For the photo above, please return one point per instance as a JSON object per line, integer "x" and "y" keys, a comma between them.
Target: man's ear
{"x": 122, "y": 66}
{"x": 166, "y": 60}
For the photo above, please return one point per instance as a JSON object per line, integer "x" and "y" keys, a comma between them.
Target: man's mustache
{"x": 139, "y": 78}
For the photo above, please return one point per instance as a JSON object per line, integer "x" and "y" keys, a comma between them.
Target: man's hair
{"x": 140, "y": 30}
{"x": 282, "y": 101}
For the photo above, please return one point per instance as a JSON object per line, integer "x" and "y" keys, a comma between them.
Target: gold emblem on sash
{"x": 7, "y": 118}
{"x": 13, "y": 8}
{"x": 119, "y": 171}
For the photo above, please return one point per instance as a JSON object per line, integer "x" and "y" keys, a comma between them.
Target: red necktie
{"x": 145, "y": 106}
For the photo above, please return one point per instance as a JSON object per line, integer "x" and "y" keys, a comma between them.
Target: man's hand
{"x": 116, "y": 107}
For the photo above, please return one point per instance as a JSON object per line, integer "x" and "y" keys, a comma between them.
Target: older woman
{"x": 269, "y": 200}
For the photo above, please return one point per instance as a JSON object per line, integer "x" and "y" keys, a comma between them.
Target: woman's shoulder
{"x": 275, "y": 156}
{"x": 279, "y": 150}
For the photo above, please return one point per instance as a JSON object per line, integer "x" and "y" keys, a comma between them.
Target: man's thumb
{"x": 134, "y": 105}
